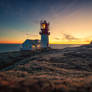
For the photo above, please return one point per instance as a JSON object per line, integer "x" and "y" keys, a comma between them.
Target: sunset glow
{"x": 70, "y": 20}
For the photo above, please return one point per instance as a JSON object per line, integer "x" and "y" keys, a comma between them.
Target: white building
{"x": 44, "y": 34}
{"x": 30, "y": 44}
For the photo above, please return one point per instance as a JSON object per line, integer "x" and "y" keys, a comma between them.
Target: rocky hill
{"x": 48, "y": 70}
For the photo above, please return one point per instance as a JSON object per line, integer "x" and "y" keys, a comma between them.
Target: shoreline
{"x": 14, "y": 47}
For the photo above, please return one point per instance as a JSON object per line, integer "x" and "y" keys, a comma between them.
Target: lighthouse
{"x": 44, "y": 26}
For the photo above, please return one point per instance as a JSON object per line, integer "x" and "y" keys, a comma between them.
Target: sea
{"x": 16, "y": 47}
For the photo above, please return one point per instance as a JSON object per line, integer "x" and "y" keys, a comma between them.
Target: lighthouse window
{"x": 43, "y": 26}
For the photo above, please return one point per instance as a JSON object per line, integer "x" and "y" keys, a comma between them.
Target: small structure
{"x": 30, "y": 44}
{"x": 44, "y": 34}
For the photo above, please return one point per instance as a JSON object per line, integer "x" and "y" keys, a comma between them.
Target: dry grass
{"x": 33, "y": 83}
{"x": 67, "y": 70}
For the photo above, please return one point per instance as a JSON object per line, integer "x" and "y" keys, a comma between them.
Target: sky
{"x": 70, "y": 20}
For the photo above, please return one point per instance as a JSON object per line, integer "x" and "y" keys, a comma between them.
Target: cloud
{"x": 57, "y": 38}
{"x": 69, "y": 37}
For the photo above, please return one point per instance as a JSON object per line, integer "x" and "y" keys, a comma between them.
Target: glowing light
{"x": 43, "y": 26}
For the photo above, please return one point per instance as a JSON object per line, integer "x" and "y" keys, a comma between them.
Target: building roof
{"x": 33, "y": 42}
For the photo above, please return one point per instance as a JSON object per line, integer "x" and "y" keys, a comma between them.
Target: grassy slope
{"x": 67, "y": 70}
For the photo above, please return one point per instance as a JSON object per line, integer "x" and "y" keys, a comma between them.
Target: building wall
{"x": 44, "y": 41}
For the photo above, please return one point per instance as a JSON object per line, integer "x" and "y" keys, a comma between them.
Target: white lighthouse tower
{"x": 44, "y": 34}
